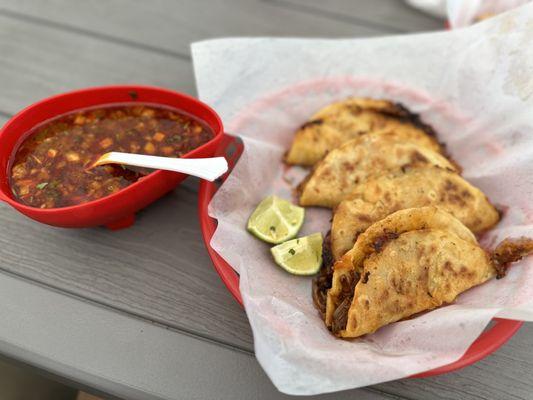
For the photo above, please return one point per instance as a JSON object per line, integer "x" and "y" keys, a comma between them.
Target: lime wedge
{"x": 302, "y": 256}
{"x": 276, "y": 220}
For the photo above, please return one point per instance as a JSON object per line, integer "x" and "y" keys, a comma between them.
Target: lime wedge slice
{"x": 276, "y": 220}
{"x": 302, "y": 256}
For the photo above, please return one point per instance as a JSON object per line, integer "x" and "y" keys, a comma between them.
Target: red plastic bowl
{"x": 116, "y": 210}
{"x": 230, "y": 147}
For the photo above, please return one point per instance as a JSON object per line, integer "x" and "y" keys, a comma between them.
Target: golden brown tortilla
{"x": 340, "y": 122}
{"x": 415, "y": 187}
{"x": 412, "y": 261}
{"x": 418, "y": 271}
{"x": 358, "y": 160}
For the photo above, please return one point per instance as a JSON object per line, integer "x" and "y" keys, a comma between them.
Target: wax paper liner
{"x": 473, "y": 85}
{"x": 463, "y": 13}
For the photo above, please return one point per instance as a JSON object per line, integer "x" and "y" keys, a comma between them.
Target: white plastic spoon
{"x": 205, "y": 168}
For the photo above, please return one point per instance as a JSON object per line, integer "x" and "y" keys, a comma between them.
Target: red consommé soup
{"x": 50, "y": 168}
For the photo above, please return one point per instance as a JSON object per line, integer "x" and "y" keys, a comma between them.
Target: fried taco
{"x": 412, "y": 261}
{"x": 340, "y": 122}
{"x": 358, "y": 160}
{"x": 374, "y": 199}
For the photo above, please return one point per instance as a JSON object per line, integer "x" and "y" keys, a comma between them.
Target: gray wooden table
{"x": 141, "y": 313}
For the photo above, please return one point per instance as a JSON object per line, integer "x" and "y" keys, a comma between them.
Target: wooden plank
{"x": 158, "y": 269}
{"x": 386, "y": 15}
{"x": 38, "y": 61}
{"x": 170, "y": 26}
{"x": 126, "y": 358}
{"x": 505, "y": 374}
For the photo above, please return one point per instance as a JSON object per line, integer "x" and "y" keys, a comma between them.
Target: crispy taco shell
{"x": 374, "y": 199}
{"x": 414, "y": 260}
{"x": 358, "y": 160}
{"x": 340, "y": 122}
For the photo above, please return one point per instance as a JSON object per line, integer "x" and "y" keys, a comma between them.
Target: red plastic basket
{"x": 231, "y": 148}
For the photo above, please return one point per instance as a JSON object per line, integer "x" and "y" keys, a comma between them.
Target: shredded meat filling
{"x": 322, "y": 283}
{"x": 348, "y": 282}
{"x": 340, "y": 315}
{"x": 509, "y": 251}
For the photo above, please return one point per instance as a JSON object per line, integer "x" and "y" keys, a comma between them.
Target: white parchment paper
{"x": 474, "y": 85}
{"x": 463, "y": 13}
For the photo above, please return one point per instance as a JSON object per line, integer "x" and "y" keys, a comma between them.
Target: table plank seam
{"x": 476, "y": 366}
{"x": 307, "y": 9}
{"x": 435, "y": 381}
{"x": 387, "y": 393}
{"x": 93, "y": 34}
{"x": 204, "y": 338}
{"x": 172, "y": 327}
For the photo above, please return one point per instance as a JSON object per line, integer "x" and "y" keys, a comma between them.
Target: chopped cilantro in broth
{"x": 50, "y": 168}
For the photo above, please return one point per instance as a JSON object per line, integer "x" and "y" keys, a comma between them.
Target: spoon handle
{"x": 205, "y": 168}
